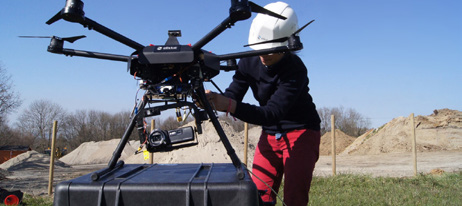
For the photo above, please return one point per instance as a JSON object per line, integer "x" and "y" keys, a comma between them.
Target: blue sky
{"x": 383, "y": 58}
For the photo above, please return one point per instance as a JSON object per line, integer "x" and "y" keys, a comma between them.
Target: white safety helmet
{"x": 265, "y": 27}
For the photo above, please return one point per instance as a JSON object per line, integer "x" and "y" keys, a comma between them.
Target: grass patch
{"x": 30, "y": 200}
{"x": 346, "y": 189}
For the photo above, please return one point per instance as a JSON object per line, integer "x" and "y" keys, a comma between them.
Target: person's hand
{"x": 220, "y": 102}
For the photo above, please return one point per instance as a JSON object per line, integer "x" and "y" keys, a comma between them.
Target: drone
{"x": 170, "y": 74}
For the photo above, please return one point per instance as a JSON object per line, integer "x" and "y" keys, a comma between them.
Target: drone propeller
{"x": 68, "y": 39}
{"x": 72, "y": 11}
{"x": 55, "y": 18}
{"x": 283, "y": 39}
{"x": 258, "y": 9}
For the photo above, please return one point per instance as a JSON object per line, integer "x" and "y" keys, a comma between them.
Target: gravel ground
{"x": 392, "y": 164}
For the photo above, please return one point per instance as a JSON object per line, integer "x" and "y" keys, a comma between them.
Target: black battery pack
{"x": 161, "y": 184}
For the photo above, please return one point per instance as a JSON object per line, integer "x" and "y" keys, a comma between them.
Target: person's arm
{"x": 239, "y": 86}
{"x": 291, "y": 85}
{"x": 234, "y": 93}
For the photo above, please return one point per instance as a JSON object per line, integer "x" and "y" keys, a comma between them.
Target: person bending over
{"x": 290, "y": 137}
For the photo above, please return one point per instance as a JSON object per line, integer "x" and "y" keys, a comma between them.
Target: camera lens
{"x": 157, "y": 138}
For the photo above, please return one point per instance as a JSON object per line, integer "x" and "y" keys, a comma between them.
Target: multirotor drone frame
{"x": 172, "y": 72}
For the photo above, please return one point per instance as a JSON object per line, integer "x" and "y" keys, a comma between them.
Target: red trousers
{"x": 294, "y": 154}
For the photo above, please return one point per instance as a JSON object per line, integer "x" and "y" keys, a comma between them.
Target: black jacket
{"x": 281, "y": 90}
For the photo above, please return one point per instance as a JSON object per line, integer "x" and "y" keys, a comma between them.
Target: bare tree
{"x": 119, "y": 123}
{"x": 38, "y": 121}
{"x": 7, "y": 135}
{"x": 75, "y": 129}
{"x": 347, "y": 120}
{"x": 83, "y": 126}
{"x": 9, "y": 100}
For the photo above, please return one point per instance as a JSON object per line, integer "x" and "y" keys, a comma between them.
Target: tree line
{"x": 34, "y": 125}
{"x": 348, "y": 120}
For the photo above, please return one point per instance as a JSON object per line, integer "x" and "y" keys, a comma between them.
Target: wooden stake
{"x": 334, "y": 162}
{"x": 414, "y": 145}
{"x": 52, "y": 159}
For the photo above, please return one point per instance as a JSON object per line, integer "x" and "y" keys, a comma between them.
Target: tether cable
{"x": 274, "y": 191}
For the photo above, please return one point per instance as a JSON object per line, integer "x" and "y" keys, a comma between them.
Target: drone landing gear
{"x": 113, "y": 165}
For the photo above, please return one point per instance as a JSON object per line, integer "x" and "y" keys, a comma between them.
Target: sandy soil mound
{"x": 439, "y": 131}
{"x": 30, "y": 159}
{"x": 356, "y": 143}
{"x": 209, "y": 148}
{"x": 342, "y": 141}
{"x": 96, "y": 153}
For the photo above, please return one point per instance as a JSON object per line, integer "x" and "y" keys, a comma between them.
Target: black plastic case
{"x": 161, "y": 184}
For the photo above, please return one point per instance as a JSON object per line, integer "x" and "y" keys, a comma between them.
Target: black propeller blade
{"x": 74, "y": 38}
{"x": 258, "y": 9}
{"x": 68, "y": 39}
{"x": 283, "y": 39}
{"x": 35, "y": 36}
{"x": 55, "y": 18}
{"x": 303, "y": 27}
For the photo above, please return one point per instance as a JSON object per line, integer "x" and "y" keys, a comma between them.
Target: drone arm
{"x": 227, "y": 23}
{"x": 72, "y": 52}
{"x": 240, "y": 10}
{"x": 73, "y": 12}
{"x": 254, "y": 53}
{"x": 87, "y": 22}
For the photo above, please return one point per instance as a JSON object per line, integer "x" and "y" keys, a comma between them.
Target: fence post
{"x": 414, "y": 145}
{"x": 334, "y": 163}
{"x": 52, "y": 159}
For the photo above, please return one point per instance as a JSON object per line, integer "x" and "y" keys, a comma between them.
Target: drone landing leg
{"x": 229, "y": 148}
{"x": 120, "y": 147}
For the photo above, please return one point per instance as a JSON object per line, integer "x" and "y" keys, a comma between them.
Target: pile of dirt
{"x": 356, "y": 143}
{"x": 342, "y": 141}
{"x": 209, "y": 149}
{"x": 439, "y": 131}
{"x": 96, "y": 153}
{"x": 30, "y": 160}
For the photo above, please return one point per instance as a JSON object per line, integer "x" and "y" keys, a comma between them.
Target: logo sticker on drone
{"x": 167, "y": 48}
